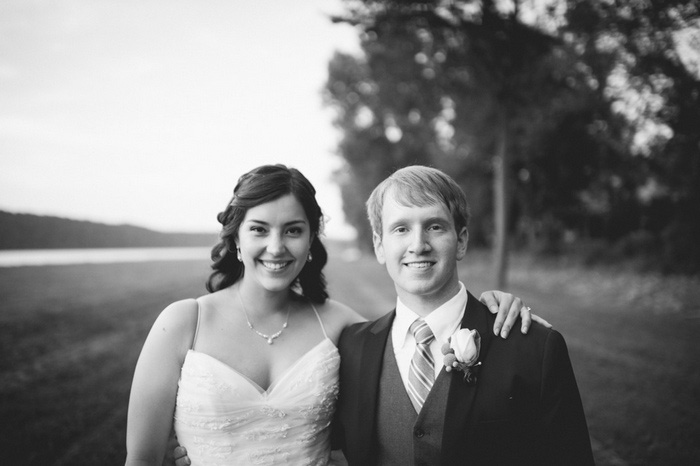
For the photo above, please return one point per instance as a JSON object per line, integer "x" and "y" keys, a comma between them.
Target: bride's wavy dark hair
{"x": 259, "y": 186}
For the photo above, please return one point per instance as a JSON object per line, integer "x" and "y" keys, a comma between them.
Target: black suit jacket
{"x": 524, "y": 409}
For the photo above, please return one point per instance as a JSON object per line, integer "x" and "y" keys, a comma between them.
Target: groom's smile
{"x": 419, "y": 265}
{"x": 420, "y": 247}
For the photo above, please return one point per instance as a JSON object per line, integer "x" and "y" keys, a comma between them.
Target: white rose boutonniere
{"x": 462, "y": 352}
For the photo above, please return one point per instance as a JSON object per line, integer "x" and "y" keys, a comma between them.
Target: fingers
{"x": 168, "y": 459}
{"x": 541, "y": 321}
{"x": 489, "y": 299}
{"x": 511, "y": 316}
{"x": 500, "y": 303}
{"x": 526, "y": 317}
{"x": 181, "y": 458}
{"x": 508, "y": 308}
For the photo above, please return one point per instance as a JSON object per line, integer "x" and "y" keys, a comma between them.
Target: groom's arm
{"x": 352, "y": 425}
{"x": 566, "y": 438}
{"x": 338, "y": 459}
{"x": 337, "y": 429}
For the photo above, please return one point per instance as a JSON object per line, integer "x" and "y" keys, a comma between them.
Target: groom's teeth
{"x": 274, "y": 265}
{"x": 418, "y": 265}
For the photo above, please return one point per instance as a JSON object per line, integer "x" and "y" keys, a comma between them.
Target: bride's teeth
{"x": 274, "y": 265}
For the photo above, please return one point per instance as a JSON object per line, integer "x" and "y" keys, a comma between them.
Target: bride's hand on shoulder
{"x": 508, "y": 308}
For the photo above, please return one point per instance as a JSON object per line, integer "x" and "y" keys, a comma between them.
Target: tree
{"x": 648, "y": 57}
{"x": 447, "y": 87}
{"x": 586, "y": 110}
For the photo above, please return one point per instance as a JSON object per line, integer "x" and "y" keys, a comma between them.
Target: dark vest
{"x": 404, "y": 437}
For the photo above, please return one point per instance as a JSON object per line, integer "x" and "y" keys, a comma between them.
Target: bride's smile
{"x": 274, "y": 240}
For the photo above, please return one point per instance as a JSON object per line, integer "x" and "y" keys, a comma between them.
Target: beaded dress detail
{"x": 224, "y": 418}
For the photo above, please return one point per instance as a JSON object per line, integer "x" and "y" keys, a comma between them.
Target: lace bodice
{"x": 224, "y": 418}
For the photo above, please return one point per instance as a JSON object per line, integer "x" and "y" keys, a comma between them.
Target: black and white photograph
{"x": 349, "y": 232}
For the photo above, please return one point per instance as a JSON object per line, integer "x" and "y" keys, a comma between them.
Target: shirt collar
{"x": 443, "y": 321}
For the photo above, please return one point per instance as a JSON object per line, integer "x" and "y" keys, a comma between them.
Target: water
{"x": 32, "y": 257}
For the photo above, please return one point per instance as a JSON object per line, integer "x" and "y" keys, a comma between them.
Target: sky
{"x": 146, "y": 112}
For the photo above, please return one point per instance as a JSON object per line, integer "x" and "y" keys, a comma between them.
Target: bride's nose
{"x": 275, "y": 245}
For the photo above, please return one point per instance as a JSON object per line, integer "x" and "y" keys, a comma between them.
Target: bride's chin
{"x": 273, "y": 285}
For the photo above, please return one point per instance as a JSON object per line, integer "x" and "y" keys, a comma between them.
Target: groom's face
{"x": 420, "y": 248}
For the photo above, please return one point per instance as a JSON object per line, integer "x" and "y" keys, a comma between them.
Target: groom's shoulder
{"x": 537, "y": 343}
{"x": 537, "y": 333}
{"x": 360, "y": 329}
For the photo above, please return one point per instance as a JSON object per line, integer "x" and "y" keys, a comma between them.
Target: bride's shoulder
{"x": 172, "y": 332}
{"x": 179, "y": 316}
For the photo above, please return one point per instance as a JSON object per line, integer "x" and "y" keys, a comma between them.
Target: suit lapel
{"x": 370, "y": 371}
{"x": 461, "y": 395}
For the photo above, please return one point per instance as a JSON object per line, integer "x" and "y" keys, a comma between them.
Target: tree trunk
{"x": 501, "y": 168}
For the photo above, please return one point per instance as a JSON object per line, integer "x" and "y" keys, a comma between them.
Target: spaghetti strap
{"x": 319, "y": 321}
{"x": 196, "y": 329}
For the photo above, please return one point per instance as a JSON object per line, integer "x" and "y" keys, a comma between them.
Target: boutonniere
{"x": 462, "y": 352}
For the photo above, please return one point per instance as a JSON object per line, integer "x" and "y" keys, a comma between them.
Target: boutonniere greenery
{"x": 462, "y": 353}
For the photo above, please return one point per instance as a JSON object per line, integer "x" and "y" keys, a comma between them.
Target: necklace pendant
{"x": 270, "y": 338}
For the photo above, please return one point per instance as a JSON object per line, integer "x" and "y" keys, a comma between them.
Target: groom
{"x": 397, "y": 404}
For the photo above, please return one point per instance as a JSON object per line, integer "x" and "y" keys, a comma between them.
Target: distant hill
{"x": 25, "y": 231}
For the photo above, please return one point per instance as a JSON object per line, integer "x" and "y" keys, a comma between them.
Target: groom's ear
{"x": 462, "y": 241}
{"x": 378, "y": 247}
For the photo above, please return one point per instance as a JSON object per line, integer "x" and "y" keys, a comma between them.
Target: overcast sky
{"x": 147, "y": 112}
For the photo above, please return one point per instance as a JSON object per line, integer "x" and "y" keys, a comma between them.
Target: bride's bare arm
{"x": 154, "y": 388}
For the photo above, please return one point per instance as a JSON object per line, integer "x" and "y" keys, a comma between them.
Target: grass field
{"x": 70, "y": 336}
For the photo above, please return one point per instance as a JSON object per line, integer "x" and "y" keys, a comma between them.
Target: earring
{"x": 238, "y": 255}
{"x": 309, "y": 258}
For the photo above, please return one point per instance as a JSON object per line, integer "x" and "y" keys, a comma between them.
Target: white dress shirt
{"x": 443, "y": 321}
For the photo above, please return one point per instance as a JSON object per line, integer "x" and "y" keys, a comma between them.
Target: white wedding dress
{"x": 224, "y": 418}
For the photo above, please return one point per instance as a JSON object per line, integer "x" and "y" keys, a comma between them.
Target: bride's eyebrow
{"x": 291, "y": 222}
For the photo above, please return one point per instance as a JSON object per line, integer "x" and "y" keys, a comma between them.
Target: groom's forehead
{"x": 410, "y": 197}
{"x": 394, "y": 206}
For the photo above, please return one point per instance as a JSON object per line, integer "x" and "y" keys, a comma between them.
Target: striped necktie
{"x": 421, "y": 372}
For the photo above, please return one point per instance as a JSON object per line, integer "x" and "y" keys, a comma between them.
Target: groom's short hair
{"x": 418, "y": 185}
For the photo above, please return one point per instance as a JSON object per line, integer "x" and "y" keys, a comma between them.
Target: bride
{"x": 249, "y": 372}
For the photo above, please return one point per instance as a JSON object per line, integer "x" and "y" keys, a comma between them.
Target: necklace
{"x": 270, "y": 338}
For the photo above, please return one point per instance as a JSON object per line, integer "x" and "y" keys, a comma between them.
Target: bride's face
{"x": 274, "y": 239}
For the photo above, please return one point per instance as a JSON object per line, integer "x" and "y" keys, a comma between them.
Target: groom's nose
{"x": 419, "y": 242}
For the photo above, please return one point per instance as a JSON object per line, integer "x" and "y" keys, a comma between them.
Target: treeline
{"x": 579, "y": 116}
{"x": 25, "y": 231}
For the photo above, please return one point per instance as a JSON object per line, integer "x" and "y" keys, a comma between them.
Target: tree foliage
{"x": 646, "y": 54}
{"x": 591, "y": 109}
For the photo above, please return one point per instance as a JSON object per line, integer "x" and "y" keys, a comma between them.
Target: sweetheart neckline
{"x": 276, "y": 383}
